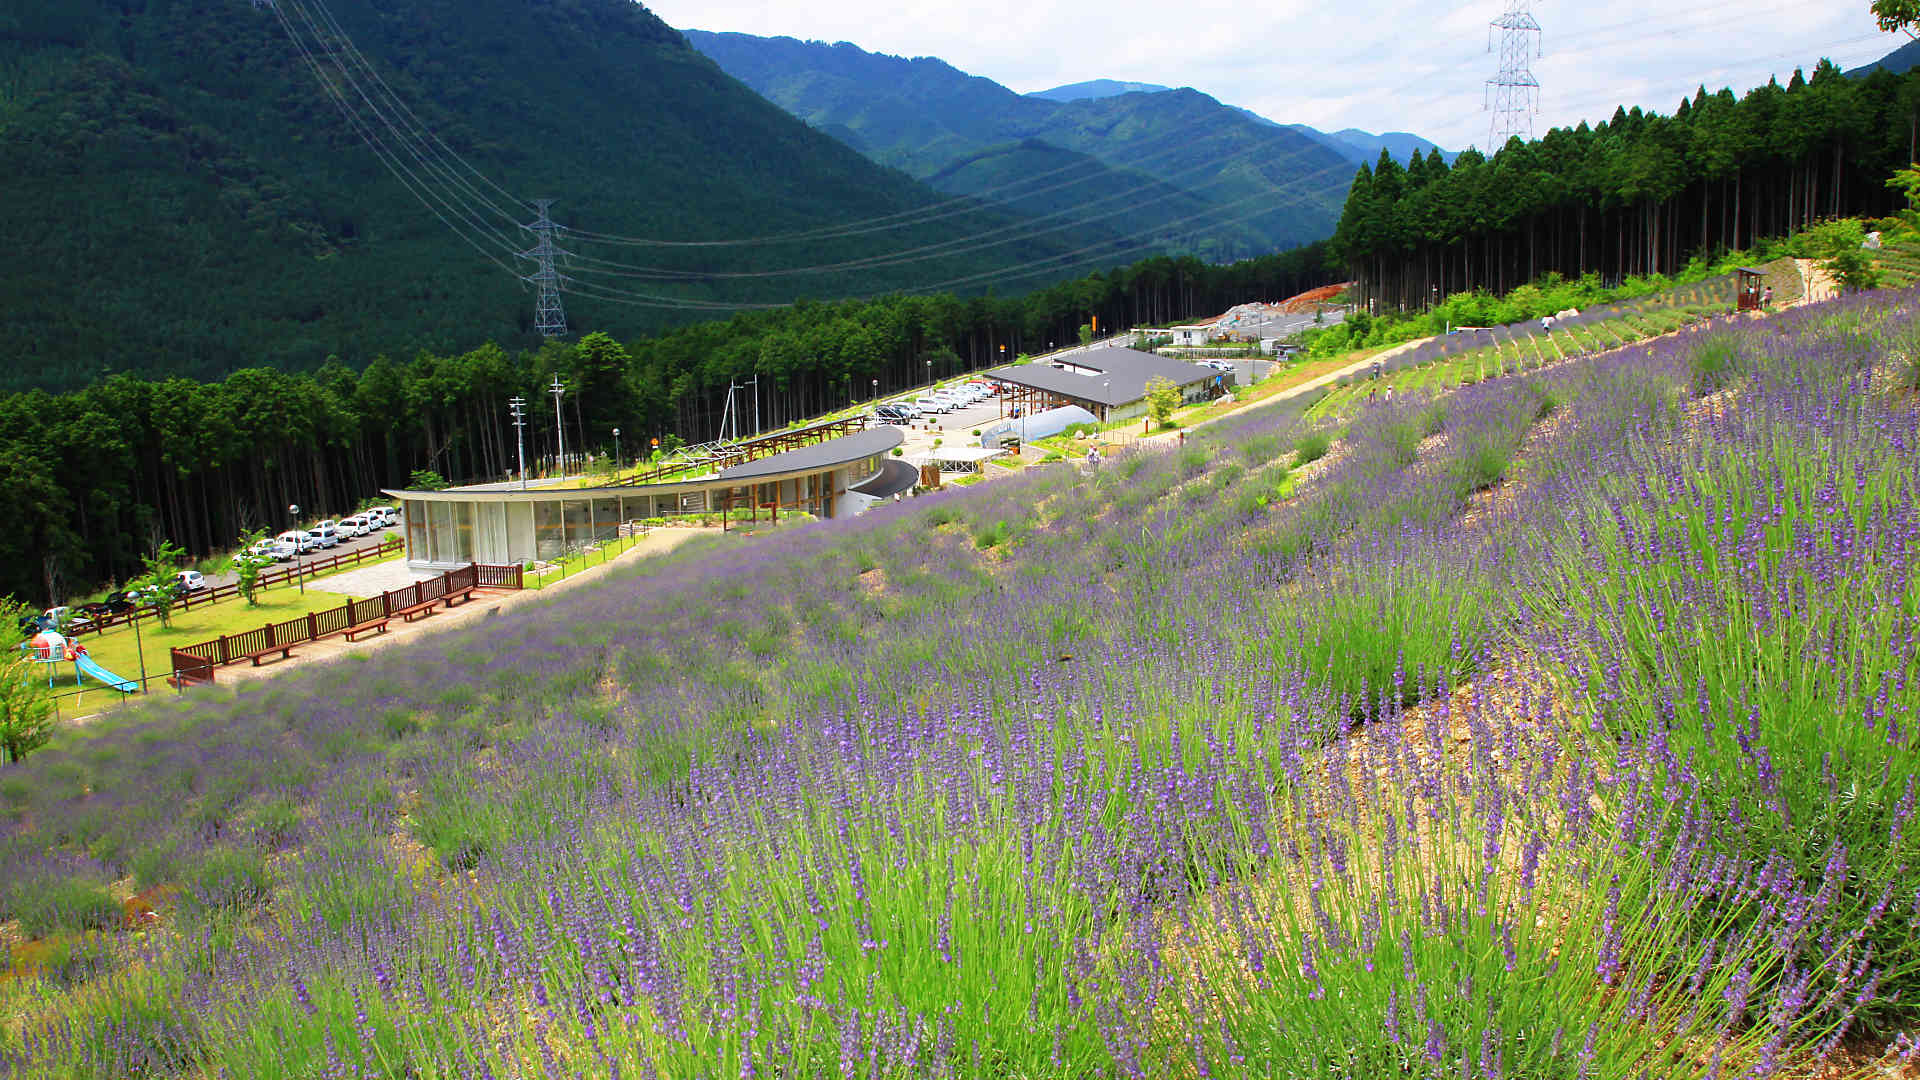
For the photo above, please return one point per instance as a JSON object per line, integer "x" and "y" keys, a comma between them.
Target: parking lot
{"x": 321, "y": 556}
{"x": 952, "y": 428}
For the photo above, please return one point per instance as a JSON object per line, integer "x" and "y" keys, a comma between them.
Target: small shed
{"x": 1748, "y": 281}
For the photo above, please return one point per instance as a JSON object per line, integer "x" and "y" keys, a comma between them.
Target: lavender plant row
{"x": 1560, "y": 726}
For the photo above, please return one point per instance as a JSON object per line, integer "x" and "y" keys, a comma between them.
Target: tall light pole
{"x": 559, "y": 425}
{"x": 299, "y": 567}
{"x": 616, "y": 450}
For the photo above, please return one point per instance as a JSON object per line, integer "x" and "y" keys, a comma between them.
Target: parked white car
{"x": 301, "y": 541}
{"x": 352, "y": 527}
{"x": 189, "y": 581}
{"x": 326, "y": 533}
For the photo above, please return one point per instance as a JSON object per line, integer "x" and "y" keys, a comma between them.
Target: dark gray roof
{"x": 1125, "y": 372}
{"x": 826, "y": 455}
{"x": 894, "y": 477}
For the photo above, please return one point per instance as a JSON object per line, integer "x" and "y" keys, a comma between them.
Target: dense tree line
{"x": 96, "y": 476}
{"x": 1638, "y": 194}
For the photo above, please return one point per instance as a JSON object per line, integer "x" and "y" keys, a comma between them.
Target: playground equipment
{"x": 49, "y": 647}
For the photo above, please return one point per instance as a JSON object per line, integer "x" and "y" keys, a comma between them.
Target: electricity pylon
{"x": 549, "y": 317}
{"x": 1513, "y": 95}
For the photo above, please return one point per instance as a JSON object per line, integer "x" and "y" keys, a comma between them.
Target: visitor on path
{"x": 1766, "y": 298}
{"x": 1389, "y": 393}
{"x": 1546, "y": 325}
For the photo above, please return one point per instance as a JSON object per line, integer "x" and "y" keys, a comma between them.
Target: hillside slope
{"x": 1268, "y": 187}
{"x": 185, "y": 199}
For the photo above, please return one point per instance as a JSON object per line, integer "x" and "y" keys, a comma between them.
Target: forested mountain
{"x": 184, "y": 198}
{"x": 1267, "y": 187}
{"x": 91, "y": 478}
{"x": 1365, "y": 146}
{"x": 1097, "y": 88}
{"x": 1638, "y": 194}
{"x": 1898, "y": 62}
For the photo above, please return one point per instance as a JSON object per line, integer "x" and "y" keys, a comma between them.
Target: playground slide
{"x": 88, "y": 667}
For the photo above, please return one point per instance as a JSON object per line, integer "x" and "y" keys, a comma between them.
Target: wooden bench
{"x": 377, "y": 626}
{"x": 460, "y": 595}
{"x": 285, "y": 651}
{"x": 416, "y": 611}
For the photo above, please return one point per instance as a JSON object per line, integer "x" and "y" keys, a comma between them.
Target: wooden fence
{"x": 196, "y": 663}
{"x": 216, "y": 593}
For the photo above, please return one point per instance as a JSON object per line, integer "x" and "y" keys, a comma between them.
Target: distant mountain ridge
{"x": 1211, "y": 179}
{"x": 1097, "y": 88}
{"x": 1899, "y": 61}
{"x": 1356, "y": 145}
{"x": 186, "y": 199}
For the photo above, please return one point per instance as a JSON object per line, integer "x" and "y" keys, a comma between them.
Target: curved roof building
{"x": 508, "y": 523}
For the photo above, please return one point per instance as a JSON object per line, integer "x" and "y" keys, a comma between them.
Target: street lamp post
{"x": 616, "y": 450}
{"x": 299, "y": 567}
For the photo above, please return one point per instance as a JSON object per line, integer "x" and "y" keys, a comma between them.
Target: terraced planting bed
{"x": 1558, "y": 725}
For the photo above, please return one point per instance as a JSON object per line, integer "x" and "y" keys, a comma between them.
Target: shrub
{"x": 68, "y": 904}
{"x": 226, "y": 877}
{"x": 1714, "y": 361}
{"x": 1311, "y": 446}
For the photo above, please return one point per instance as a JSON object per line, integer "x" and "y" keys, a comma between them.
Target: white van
{"x": 355, "y": 526}
{"x": 326, "y": 533}
{"x": 300, "y": 541}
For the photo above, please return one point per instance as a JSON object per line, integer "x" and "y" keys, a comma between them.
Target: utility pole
{"x": 517, "y": 405}
{"x": 755, "y": 383}
{"x": 549, "y": 317}
{"x": 559, "y": 425}
{"x": 1513, "y": 94}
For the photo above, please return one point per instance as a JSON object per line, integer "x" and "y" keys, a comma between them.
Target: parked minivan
{"x": 326, "y": 533}
{"x": 389, "y": 515}
{"x": 299, "y": 540}
{"x": 351, "y": 527}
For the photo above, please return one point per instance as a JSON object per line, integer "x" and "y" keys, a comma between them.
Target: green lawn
{"x": 118, "y": 652}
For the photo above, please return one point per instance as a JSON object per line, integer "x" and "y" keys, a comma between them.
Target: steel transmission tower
{"x": 549, "y": 317}
{"x": 1513, "y": 96}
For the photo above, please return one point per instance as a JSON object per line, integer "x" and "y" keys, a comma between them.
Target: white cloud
{"x": 1397, "y": 66}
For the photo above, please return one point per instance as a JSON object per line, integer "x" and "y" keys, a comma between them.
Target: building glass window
{"x": 606, "y": 519}
{"x": 440, "y": 531}
{"x": 462, "y": 532}
{"x": 415, "y": 515}
{"x": 549, "y": 541}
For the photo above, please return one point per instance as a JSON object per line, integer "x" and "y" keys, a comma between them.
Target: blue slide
{"x": 87, "y": 667}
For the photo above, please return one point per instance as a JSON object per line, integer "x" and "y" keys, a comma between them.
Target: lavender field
{"x": 1561, "y": 726}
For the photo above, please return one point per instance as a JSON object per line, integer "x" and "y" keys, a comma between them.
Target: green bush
{"x": 1312, "y": 446}
{"x": 226, "y": 877}
{"x": 71, "y": 905}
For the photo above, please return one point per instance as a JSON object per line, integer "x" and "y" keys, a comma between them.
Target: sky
{"x": 1399, "y": 66}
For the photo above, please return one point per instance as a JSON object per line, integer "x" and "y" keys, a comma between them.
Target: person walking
{"x": 1766, "y": 299}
